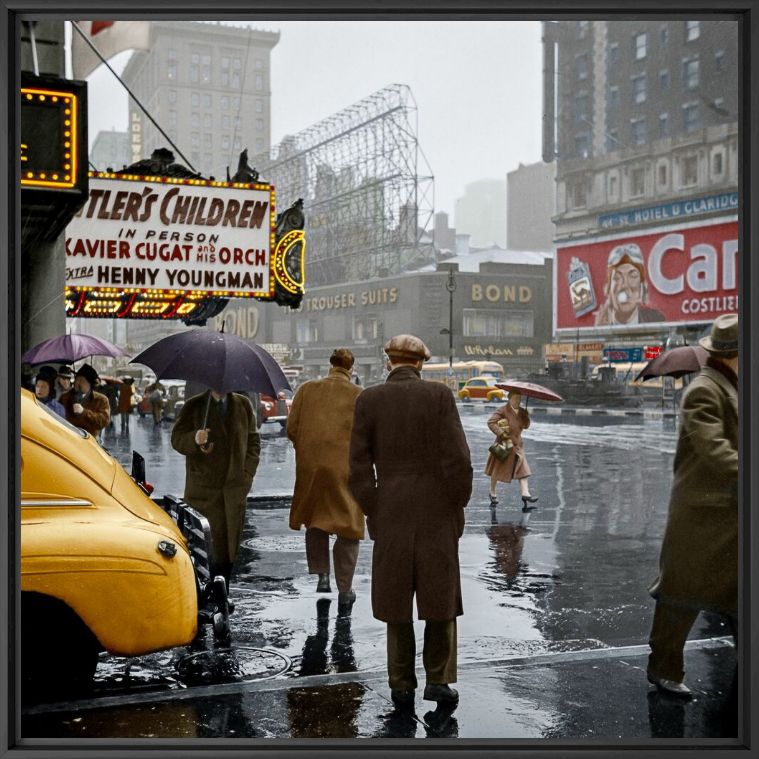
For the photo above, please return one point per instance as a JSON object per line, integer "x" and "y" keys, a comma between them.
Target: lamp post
{"x": 450, "y": 285}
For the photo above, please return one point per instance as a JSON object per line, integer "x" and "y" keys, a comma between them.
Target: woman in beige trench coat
{"x": 515, "y": 467}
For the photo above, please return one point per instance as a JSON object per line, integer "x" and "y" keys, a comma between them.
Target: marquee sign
{"x": 158, "y": 247}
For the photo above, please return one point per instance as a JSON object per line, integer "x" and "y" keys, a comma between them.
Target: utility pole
{"x": 450, "y": 285}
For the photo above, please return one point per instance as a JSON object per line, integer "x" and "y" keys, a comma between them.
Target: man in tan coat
{"x": 319, "y": 426}
{"x": 221, "y": 453}
{"x": 411, "y": 473}
{"x": 85, "y": 408}
{"x": 698, "y": 568}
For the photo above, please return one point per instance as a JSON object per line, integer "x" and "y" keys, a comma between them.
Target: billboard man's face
{"x": 626, "y": 290}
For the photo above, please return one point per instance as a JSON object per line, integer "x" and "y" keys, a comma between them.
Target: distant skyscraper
{"x": 208, "y": 86}
{"x": 481, "y": 212}
{"x": 531, "y": 206}
{"x": 110, "y": 150}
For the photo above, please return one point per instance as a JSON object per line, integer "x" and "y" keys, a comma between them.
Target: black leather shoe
{"x": 526, "y": 501}
{"x": 493, "y": 500}
{"x": 440, "y": 692}
{"x": 323, "y": 585}
{"x": 402, "y": 697}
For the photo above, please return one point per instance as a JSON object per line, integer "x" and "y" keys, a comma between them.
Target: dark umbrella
{"x": 220, "y": 361}
{"x": 65, "y": 349}
{"x": 676, "y": 362}
{"x": 530, "y": 390}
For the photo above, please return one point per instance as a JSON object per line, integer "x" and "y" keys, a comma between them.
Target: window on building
{"x": 195, "y": 139}
{"x": 613, "y": 183}
{"x": 664, "y": 35}
{"x": 307, "y": 331}
{"x": 692, "y": 30}
{"x": 207, "y": 100}
{"x": 207, "y": 121}
{"x": 195, "y": 157}
{"x": 259, "y": 106}
{"x": 639, "y": 88}
{"x": 236, "y": 103}
{"x": 225, "y": 102}
{"x": 235, "y": 74}
{"x": 638, "y": 131}
{"x": 664, "y": 80}
{"x": 581, "y": 66}
{"x": 612, "y": 140}
{"x": 259, "y": 82}
{"x": 718, "y": 164}
{"x": 582, "y": 145}
{"x": 205, "y": 69}
{"x": 225, "y": 121}
{"x": 661, "y": 175}
{"x": 207, "y": 141}
{"x": 259, "y": 124}
{"x": 719, "y": 60}
{"x": 613, "y": 53}
{"x": 195, "y": 99}
{"x": 690, "y": 74}
{"x": 195, "y": 67}
{"x": 498, "y": 323}
{"x": 689, "y": 170}
{"x": 582, "y": 29}
{"x": 577, "y": 194}
{"x": 171, "y": 66}
{"x": 172, "y": 96}
{"x": 236, "y": 122}
{"x": 614, "y": 97}
{"x": 208, "y": 161}
{"x": 225, "y": 142}
{"x": 225, "y": 66}
{"x": 637, "y": 182}
{"x": 172, "y": 118}
{"x": 195, "y": 120}
{"x": 237, "y": 145}
{"x": 581, "y": 106}
{"x": 663, "y": 125}
{"x": 691, "y": 117}
{"x": 259, "y": 143}
{"x": 259, "y": 63}
{"x": 639, "y": 46}
{"x": 365, "y": 328}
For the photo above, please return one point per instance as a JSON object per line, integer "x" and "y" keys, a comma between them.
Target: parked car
{"x": 277, "y": 409}
{"x": 174, "y": 397}
{"x": 482, "y": 388}
{"x": 103, "y": 567}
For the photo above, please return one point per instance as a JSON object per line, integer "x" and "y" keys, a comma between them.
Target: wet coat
{"x": 217, "y": 483}
{"x": 96, "y": 414}
{"x": 319, "y": 426}
{"x": 698, "y": 566}
{"x": 515, "y": 466}
{"x": 410, "y": 431}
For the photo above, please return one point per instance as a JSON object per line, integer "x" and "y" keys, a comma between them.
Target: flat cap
{"x": 407, "y": 346}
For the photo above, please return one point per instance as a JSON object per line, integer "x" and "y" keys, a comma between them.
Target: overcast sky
{"x": 477, "y": 86}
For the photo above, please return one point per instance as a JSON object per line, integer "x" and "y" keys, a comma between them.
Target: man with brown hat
{"x": 85, "y": 408}
{"x": 698, "y": 567}
{"x": 411, "y": 473}
{"x": 319, "y": 426}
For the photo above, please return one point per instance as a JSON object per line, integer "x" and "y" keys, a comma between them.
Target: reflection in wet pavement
{"x": 571, "y": 575}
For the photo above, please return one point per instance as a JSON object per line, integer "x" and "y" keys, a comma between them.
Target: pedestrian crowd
{"x": 394, "y": 458}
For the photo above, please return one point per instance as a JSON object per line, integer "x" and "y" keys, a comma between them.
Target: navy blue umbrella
{"x": 220, "y": 361}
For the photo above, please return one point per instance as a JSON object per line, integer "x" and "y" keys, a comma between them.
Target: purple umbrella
{"x": 217, "y": 360}
{"x": 676, "y": 362}
{"x": 66, "y": 349}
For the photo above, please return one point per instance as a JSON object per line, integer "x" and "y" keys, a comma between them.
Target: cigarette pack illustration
{"x": 581, "y": 291}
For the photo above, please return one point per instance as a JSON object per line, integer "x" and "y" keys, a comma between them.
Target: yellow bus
{"x": 462, "y": 371}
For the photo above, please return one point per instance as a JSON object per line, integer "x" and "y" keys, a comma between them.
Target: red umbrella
{"x": 676, "y": 362}
{"x": 530, "y": 390}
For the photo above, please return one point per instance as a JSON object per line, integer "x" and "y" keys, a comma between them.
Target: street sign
{"x": 623, "y": 355}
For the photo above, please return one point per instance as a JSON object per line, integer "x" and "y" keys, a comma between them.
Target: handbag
{"x": 501, "y": 450}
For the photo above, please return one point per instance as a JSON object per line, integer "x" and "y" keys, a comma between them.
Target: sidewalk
{"x": 562, "y": 410}
{"x": 600, "y": 694}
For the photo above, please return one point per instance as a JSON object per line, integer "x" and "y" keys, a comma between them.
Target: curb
{"x": 579, "y": 411}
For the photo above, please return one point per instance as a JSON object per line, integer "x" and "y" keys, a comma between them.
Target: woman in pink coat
{"x": 507, "y": 423}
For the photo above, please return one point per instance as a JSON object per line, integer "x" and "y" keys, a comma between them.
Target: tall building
{"x": 640, "y": 117}
{"x": 481, "y": 212}
{"x": 208, "y": 86}
{"x": 531, "y": 205}
{"x": 110, "y": 150}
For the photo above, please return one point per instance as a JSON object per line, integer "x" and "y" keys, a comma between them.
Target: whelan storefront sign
{"x": 670, "y": 276}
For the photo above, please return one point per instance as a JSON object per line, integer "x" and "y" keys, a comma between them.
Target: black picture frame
{"x": 11, "y": 14}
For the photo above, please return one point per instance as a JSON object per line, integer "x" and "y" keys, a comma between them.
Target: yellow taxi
{"x": 103, "y": 567}
{"x": 482, "y": 388}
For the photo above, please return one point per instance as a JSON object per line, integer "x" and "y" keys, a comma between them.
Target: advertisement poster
{"x": 672, "y": 275}
{"x": 177, "y": 235}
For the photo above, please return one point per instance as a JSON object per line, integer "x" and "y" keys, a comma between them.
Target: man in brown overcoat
{"x": 411, "y": 473}
{"x": 85, "y": 408}
{"x": 319, "y": 426}
{"x": 221, "y": 457}
{"x": 698, "y": 568}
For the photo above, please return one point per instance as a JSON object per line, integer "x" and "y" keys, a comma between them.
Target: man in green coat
{"x": 319, "y": 426}
{"x": 221, "y": 457}
{"x": 698, "y": 568}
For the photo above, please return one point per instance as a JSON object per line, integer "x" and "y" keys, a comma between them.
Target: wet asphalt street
{"x": 551, "y": 644}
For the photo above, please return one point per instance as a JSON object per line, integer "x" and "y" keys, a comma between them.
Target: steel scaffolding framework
{"x": 368, "y": 190}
